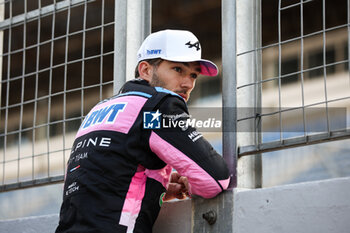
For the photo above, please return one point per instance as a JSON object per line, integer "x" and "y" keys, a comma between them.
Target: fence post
{"x": 132, "y": 25}
{"x": 2, "y": 16}
{"x": 222, "y": 205}
{"x": 249, "y": 168}
{"x": 229, "y": 87}
{"x": 240, "y": 34}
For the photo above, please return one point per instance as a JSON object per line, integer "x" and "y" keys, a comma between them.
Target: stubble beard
{"x": 156, "y": 82}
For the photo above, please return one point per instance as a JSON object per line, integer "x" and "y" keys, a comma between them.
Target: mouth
{"x": 183, "y": 95}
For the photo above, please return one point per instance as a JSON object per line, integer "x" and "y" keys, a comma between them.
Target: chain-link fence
{"x": 56, "y": 63}
{"x": 304, "y": 77}
{"x": 58, "y": 60}
{"x": 286, "y": 74}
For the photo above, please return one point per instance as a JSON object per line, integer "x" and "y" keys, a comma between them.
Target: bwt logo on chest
{"x": 106, "y": 115}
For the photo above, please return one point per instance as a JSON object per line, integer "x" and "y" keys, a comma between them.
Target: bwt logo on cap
{"x": 154, "y": 51}
{"x": 151, "y": 120}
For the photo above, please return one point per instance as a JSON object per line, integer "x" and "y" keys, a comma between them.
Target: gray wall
{"x": 322, "y": 206}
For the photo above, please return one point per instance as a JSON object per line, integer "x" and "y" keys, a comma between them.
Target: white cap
{"x": 177, "y": 46}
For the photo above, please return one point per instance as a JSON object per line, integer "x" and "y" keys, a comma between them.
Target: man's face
{"x": 179, "y": 77}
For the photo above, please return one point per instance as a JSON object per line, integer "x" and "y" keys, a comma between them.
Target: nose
{"x": 187, "y": 82}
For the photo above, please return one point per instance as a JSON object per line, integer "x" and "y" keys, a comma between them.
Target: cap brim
{"x": 208, "y": 68}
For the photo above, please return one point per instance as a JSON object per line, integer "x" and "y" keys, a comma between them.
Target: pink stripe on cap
{"x": 208, "y": 68}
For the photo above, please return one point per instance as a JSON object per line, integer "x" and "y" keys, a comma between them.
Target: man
{"x": 121, "y": 163}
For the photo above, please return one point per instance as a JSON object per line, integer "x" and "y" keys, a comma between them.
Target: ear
{"x": 145, "y": 70}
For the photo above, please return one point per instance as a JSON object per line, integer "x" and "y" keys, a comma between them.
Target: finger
{"x": 183, "y": 180}
{"x": 174, "y": 188}
{"x": 174, "y": 177}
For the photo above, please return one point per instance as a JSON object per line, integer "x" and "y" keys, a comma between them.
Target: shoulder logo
{"x": 151, "y": 120}
{"x": 196, "y": 45}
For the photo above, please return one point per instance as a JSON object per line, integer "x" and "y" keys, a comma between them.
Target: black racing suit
{"x": 122, "y": 157}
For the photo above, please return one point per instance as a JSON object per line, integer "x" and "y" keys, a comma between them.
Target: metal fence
{"x": 58, "y": 60}
{"x": 306, "y": 70}
{"x": 290, "y": 80}
{"x": 56, "y": 63}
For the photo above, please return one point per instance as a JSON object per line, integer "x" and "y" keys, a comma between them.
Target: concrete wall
{"x": 322, "y": 206}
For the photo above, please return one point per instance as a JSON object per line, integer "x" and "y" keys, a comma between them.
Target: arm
{"x": 192, "y": 157}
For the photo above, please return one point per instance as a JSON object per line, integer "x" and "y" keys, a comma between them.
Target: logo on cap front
{"x": 196, "y": 45}
{"x": 154, "y": 51}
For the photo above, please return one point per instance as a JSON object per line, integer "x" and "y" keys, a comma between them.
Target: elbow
{"x": 210, "y": 189}
{"x": 224, "y": 183}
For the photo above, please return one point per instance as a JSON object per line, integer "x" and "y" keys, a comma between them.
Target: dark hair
{"x": 154, "y": 62}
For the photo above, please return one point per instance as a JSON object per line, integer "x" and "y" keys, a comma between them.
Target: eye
{"x": 194, "y": 75}
{"x": 178, "y": 69}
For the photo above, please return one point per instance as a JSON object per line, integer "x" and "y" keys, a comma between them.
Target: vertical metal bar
{"x": 82, "y": 63}
{"x": 130, "y": 30}
{"x": 120, "y": 42}
{"x": 229, "y": 88}
{"x": 101, "y": 48}
{"x": 36, "y": 89}
{"x": 65, "y": 80}
{"x": 279, "y": 69}
{"x": 50, "y": 88}
{"x": 324, "y": 62}
{"x": 147, "y": 18}
{"x": 257, "y": 167}
{"x": 2, "y": 16}
{"x": 223, "y": 204}
{"x": 65, "y": 75}
{"x": 22, "y": 92}
{"x": 7, "y": 91}
{"x": 134, "y": 34}
{"x": 302, "y": 63}
{"x": 82, "y": 77}
{"x": 348, "y": 12}
{"x": 248, "y": 20}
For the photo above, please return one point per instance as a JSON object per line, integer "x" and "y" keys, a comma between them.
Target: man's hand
{"x": 177, "y": 188}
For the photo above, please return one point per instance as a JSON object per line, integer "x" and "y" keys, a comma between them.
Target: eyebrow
{"x": 187, "y": 64}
